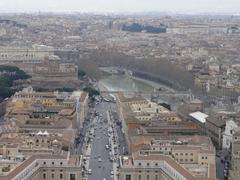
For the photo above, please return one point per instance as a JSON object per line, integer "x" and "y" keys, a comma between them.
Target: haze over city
{"x": 179, "y": 6}
{"x": 119, "y": 89}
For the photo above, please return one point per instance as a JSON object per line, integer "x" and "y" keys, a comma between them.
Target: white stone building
{"x": 231, "y": 125}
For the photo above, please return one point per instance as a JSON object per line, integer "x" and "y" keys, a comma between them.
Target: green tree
{"x": 81, "y": 73}
{"x": 91, "y": 91}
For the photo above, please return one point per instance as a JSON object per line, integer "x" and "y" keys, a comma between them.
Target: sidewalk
{"x": 113, "y": 150}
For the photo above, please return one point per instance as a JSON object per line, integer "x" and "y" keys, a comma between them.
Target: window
{"x": 176, "y": 154}
{"x": 156, "y": 177}
{"x": 53, "y": 176}
{"x": 128, "y": 177}
{"x": 61, "y": 176}
{"x": 191, "y": 160}
{"x": 72, "y": 177}
{"x": 156, "y": 164}
{"x": 139, "y": 164}
{"x": 44, "y": 162}
{"x": 44, "y": 176}
{"x": 61, "y": 163}
{"x": 139, "y": 177}
{"x": 147, "y": 164}
{"x": 206, "y": 157}
{"x": 148, "y": 177}
{"x": 191, "y": 154}
{"x": 202, "y": 157}
{"x": 52, "y": 163}
{"x": 186, "y": 154}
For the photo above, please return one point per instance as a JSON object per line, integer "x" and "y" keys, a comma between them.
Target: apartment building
{"x": 173, "y": 158}
{"x": 215, "y": 126}
{"x": 40, "y": 167}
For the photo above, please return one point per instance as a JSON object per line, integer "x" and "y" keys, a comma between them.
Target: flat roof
{"x": 201, "y": 117}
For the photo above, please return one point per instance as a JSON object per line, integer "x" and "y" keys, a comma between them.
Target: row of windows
{"x": 186, "y": 160}
{"x": 181, "y": 154}
{"x": 61, "y": 163}
{"x": 43, "y": 140}
{"x": 53, "y": 176}
{"x": 44, "y": 170}
{"x": 162, "y": 149}
{"x": 72, "y": 176}
{"x": 148, "y": 177}
{"x": 128, "y": 177}
{"x": 26, "y": 55}
{"x": 148, "y": 164}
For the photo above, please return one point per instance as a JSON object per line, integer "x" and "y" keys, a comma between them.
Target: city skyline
{"x": 117, "y": 6}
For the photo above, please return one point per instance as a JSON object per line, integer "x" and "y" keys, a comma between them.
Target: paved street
{"x": 103, "y": 143}
{"x": 220, "y": 169}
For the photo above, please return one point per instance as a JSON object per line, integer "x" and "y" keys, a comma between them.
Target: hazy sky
{"x": 120, "y": 5}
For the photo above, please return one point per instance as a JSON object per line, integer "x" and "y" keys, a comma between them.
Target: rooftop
{"x": 201, "y": 117}
{"x": 201, "y": 143}
{"x": 129, "y": 162}
{"x": 123, "y": 99}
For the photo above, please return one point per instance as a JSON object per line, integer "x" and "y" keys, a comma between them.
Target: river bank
{"x": 154, "y": 84}
{"x": 130, "y": 83}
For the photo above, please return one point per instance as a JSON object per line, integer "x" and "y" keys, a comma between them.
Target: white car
{"x": 90, "y": 171}
{"x": 99, "y": 160}
{"x": 107, "y": 147}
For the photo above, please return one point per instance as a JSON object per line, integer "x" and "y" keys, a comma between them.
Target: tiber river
{"x": 125, "y": 83}
{"x": 129, "y": 84}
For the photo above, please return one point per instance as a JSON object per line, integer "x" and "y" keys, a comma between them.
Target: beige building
{"x": 51, "y": 69}
{"x": 40, "y": 167}
{"x": 14, "y": 55}
{"x": 215, "y": 126}
{"x": 39, "y": 148}
{"x": 174, "y": 158}
{"x": 43, "y": 110}
{"x": 139, "y": 111}
{"x": 41, "y": 63}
